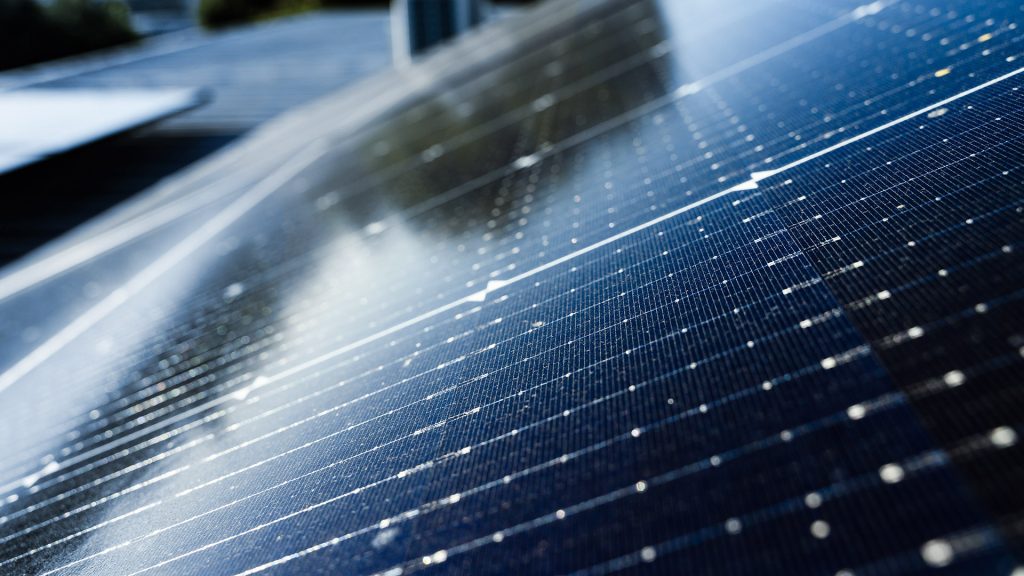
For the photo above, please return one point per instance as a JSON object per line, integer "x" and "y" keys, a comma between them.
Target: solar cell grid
{"x": 646, "y": 299}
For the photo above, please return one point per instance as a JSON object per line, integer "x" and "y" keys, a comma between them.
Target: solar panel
{"x": 611, "y": 287}
{"x": 36, "y": 124}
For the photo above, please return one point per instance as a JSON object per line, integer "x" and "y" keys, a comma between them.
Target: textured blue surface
{"x": 724, "y": 289}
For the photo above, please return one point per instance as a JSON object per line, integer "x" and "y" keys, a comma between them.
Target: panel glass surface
{"x": 613, "y": 287}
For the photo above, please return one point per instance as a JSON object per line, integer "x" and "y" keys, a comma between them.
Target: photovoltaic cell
{"x": 629, "y": 287}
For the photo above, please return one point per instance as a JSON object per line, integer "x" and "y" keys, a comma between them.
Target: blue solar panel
{"x": 627, "y": 287}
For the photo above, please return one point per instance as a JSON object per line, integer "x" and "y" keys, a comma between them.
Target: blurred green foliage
{"x": 219, "y": 13}
{"x": 31, "y": 33}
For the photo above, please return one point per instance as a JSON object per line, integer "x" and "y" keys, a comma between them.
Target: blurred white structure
{"x": 38, "y": 123}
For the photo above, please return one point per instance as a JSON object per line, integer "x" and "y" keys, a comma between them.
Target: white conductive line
{"x": 747, "y": 185}
{"x": 686, "y": 89}
{"x": 481, "y": 295}
{"x": 576, "y": 409}
{"x": 493, "y": 285}
{"x": 758, "y": 176}
{"x": 114, "y": 300}
{"x": 161, "y": 265}
{"x": 781, "y": 48}
{"x": 261, "y": 381}
{"x": 88, "y": 249}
